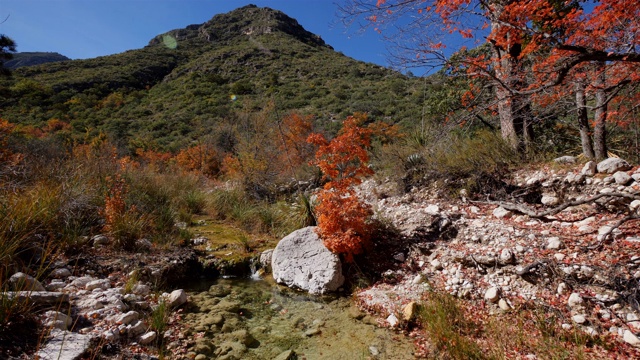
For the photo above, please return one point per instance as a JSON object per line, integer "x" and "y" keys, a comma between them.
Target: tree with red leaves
{"x": 536, "y": 45}
{"x": 343, "y": 219}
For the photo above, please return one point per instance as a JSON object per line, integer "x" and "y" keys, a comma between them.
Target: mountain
{"x": 189, "y": 83}
{"x": 33, "y": 58}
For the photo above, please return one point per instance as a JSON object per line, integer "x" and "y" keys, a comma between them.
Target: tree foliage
{"x": 343, "y": 219}
{"x": 536, "y": 46}
{"x": 7, "y": 48}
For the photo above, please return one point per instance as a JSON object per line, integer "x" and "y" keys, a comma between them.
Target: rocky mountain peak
{"x": 249, "y": 20}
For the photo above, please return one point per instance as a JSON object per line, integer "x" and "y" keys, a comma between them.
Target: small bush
{"x": 472, "y": 162}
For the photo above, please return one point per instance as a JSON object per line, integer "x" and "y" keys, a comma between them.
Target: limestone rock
{"x": 301, "y": 260}
{"x": 128, "y": 317}
{"x": 141, "y": 289}
{"x": 635, "y": 205}
{"x": 286, "y": 355}
{"x": 409, "y": 311}
{"x": 136, "y": 328}
{"x": 631, "y": 338}
{"x": 507, "y": 257}
{"x": 565, "y": 160}
{"x": 501, "y": 212}
{"x": 143, "y": 245}
{"x": 432, "y": 209}
{"x": 22, "y": 281}
{"x": 177, "y": 298}
{"x": 61, "y": 273}
{"x": 621, "y": 178}
{"x": 98, "y": 284}
{"x": 54, "y": 318}
{"x": 573, "y": 178}
{"x": 492, "y": 294}
{"x": 99, "y": 240}
{"x": 147, "y": 338}
{"x": 64, "y": 345}
{"x": 554, "y": 243}
{"x": 589, "y": 168}
{"x": 611, "y": 165}
{"x": 418, "y": 279}
{"x": 562, "y": 288}
{"x": 579, "y": 319}
{"x": 436, "y": 264}
{"x": 392, "y": 320}
{"x": 504, "y": 305}
{"x": 265, "y": 259}
{"x": 41, "y": 298}
{"x": 575, "y": 300}
{"x": 549, "y": 200}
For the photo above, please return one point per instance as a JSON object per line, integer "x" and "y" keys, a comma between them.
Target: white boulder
{"x": 302, "y": 261}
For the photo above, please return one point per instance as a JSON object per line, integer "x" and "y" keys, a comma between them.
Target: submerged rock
{"x": 301, "y": 260}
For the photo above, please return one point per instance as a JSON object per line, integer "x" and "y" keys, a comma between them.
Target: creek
{"x": 237, "y": 318}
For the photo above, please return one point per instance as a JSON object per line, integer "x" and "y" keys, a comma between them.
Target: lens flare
{"x": 233, "y": 98}
{"x": 169, "y": 41}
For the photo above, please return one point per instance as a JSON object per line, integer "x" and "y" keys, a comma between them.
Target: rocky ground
{"x": 105, "y": 304}
{"x": 582, "y": 263}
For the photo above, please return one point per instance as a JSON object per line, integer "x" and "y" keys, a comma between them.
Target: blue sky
{"x": 82, "y": 29}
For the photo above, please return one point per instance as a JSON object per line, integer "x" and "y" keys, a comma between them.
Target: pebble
{"x": 554, "y": 243}
{"x": 631, "y": 338}
{"x": 492, "y": 294}
{"x": 147, "y": 338}
{"x": 562, "y": 288}
{"x": 579, "y": 319}
{"x": 136, "y": 329}
{"x": 392, "y": 320}
{"x": 128, "y": 318}
{"x": 575, "y": 300}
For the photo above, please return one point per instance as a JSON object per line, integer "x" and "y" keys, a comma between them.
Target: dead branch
{"x": 608, "y": 234}
{"x": 520, "y": 208}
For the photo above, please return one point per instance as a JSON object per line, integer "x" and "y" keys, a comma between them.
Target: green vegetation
{"x": 163, "y": 98}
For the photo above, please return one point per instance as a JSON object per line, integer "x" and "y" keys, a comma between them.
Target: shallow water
{"x": 280, "y": 319}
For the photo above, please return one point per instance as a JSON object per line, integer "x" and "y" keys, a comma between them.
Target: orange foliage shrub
{"x": 294, "y": 130}
{"x": 154, "y": 159}
{"x": 343, "y": 219}
{"x": 6, "y": 128}
{"x": 55, "y": 125}
{"x": 200, "y": 158}
{"x": 114, "y": 204}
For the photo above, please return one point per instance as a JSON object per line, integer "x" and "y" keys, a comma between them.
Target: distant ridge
{"x": 33, "y": 58}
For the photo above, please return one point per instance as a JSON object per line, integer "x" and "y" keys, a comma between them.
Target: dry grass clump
{"x": 455, "y": 160}
{"x": 455, "y": 329}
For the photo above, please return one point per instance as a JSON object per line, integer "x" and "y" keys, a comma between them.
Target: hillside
{"x": 33, "y": 58}
{"x": 189, "y": 81}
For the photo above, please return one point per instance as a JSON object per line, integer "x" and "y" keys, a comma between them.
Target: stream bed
{"x": 257, "y": 319}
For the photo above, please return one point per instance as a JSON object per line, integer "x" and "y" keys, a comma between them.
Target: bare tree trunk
{"x": 583, "y": 122}
{"x": 503, "y": 66}
{"x": 510, "y": 124}
{"x": 505, "y": 112}
{"x": 600, "y": 131}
